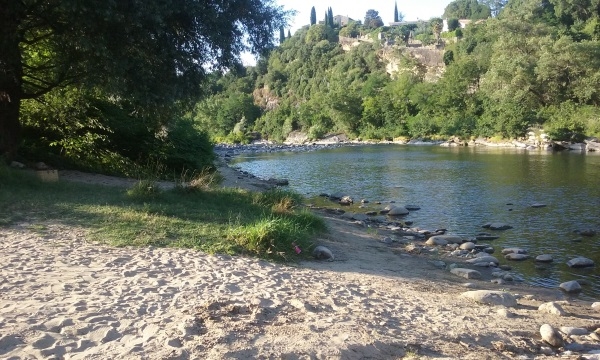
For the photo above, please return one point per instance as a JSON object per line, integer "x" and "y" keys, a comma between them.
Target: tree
{"x": 150, "y": 53}
{"x": 330, "y": 17}
{"x": 372, "y": 19}
{"x": 453, "y": 24}
{"x": 326, "y": 20}
{"x": 396, "y": 19}
{"x": 281, "y": 34}
{"x": 313, "y": 16}
{"x": 289, "y": 34}
{"x": 467, "y": 9}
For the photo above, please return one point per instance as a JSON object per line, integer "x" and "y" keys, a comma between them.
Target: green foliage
{"x": 453, "y": 24}
{"x": 467, "y": 9}
{"x": 372, "y": 19}
{"x": 502, "y": 76}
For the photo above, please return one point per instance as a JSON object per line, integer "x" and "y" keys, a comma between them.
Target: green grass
{"x": 228, "y": 221}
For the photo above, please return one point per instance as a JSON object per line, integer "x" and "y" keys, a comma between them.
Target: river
{"x": 462, "y": 188}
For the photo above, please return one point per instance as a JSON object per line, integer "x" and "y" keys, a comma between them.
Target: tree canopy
{"x": 149, "y": 54}
{"x": 372, "y": 19}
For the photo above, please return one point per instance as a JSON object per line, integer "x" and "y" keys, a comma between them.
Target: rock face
{"x": 551, "y": 336}
{"x": 580, "y": 262}
{"x": 571, "y": 286}
{"x": 322, "y": 253}
{"x": 491, "y": 297}
{"x": 466, "y": 273}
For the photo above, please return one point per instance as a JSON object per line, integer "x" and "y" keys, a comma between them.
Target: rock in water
{"x": 545, "y": 258}
{"x": 580, "y": 262}
{"x": 551, "y": 335}
{"x": 322, "y": 253}
{"x": 516, "y": 257}
{"x": 571, "y": 286}
{"x": 398, "y": 211}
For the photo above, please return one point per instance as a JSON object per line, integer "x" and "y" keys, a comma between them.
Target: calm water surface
{"x": 461, "y": 189}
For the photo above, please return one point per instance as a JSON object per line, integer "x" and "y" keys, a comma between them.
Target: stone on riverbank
{"x": 491, "y": 297}
{"x": 483, "y": 259}
{"x": 322, "y": 253}
{"x": 552, "y": 308}
{"x": 580, "y": 262}
{"x": 551, "y": 336}
{"x": 467, "y": 246}
{"x": 466, "y": 273}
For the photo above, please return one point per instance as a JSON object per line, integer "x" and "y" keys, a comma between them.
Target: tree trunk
{"x": 11, "y": 75}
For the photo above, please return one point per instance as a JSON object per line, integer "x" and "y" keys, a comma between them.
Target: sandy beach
{"x": 64, "y": 297}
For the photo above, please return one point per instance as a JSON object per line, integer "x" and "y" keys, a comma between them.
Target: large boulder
{"x": 491, "y": 297}
{"x": 552, "y": 308}
{"x": 580, "y": 262}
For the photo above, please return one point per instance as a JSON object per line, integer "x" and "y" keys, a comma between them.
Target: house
{"x": 341, "y": 20}
{"x": 401, "y": 23}
{"x": 462, "y": 23}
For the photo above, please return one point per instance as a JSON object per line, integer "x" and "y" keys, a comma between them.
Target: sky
{"x": 356, "y": 9}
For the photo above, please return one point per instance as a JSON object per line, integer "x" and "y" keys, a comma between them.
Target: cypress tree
{"x": 396, "y": 12}
{"x": 326, "y": 19}
{"x": 330, "y": 17}
{"x": 313, "y": 16}
{"x": 289, "y": 34}
{"x": 281, "y": 35}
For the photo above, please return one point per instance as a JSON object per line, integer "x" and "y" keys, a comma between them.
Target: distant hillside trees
{"x": 467, "y": 9}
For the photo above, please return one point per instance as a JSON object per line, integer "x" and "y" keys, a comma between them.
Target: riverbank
{"x": 63, "y": 296}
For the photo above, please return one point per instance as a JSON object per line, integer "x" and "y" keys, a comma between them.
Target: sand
{"x": 64, "y": 297}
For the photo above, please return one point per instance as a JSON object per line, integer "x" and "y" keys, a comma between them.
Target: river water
{"x": 461, "y": 189}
